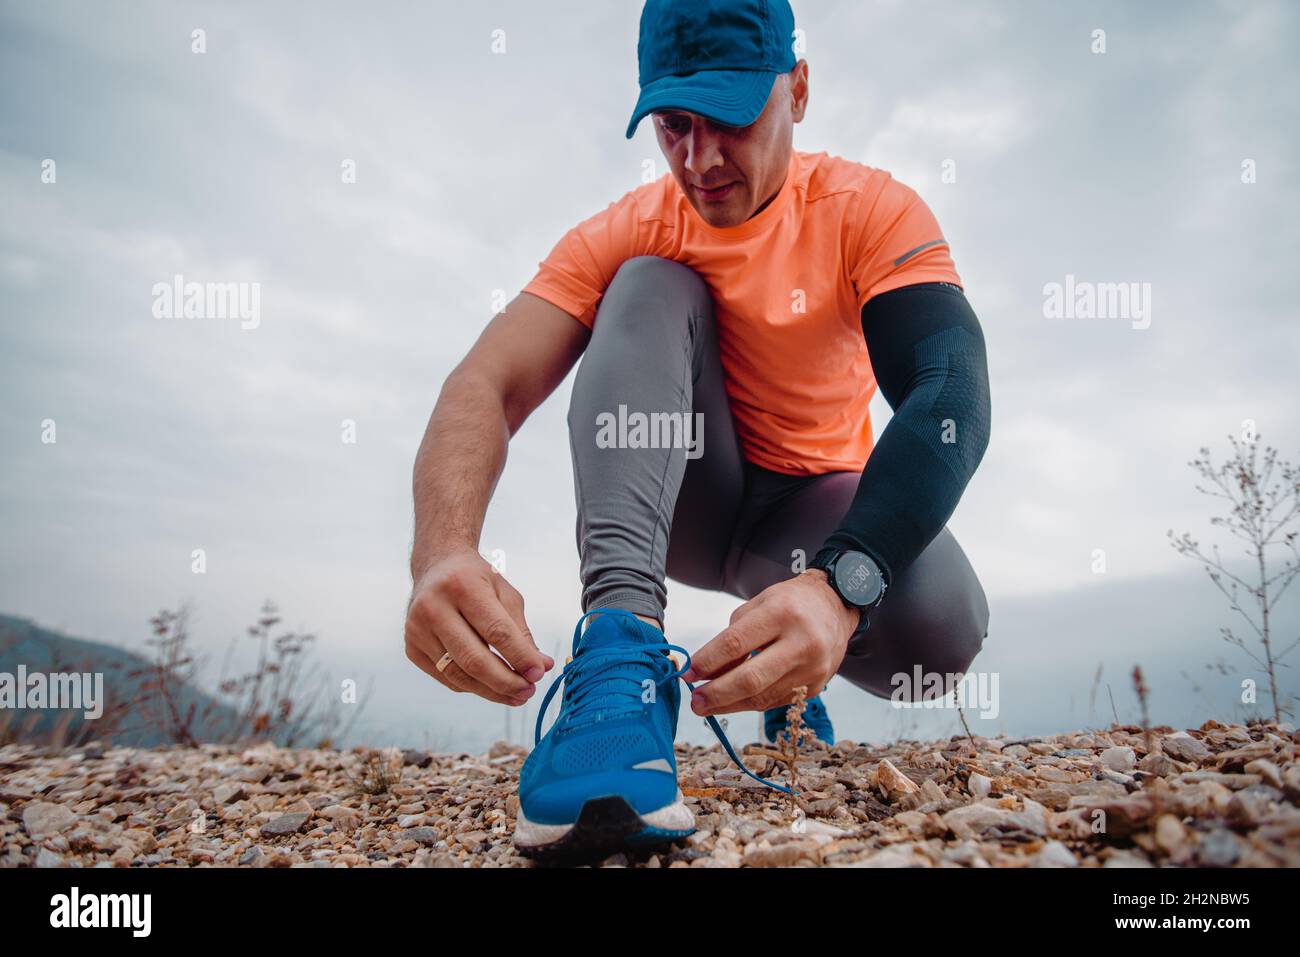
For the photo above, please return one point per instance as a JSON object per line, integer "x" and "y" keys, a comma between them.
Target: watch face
{"x": 857, "y": 578}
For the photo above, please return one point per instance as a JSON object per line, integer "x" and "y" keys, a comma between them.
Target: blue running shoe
{"x": 605, "y": 777}
{"x": 814, "y": 717}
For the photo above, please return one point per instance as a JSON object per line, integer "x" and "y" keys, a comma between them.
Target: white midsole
{"x": 671, "y": 817}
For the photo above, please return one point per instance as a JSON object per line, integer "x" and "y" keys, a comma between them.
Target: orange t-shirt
{"x": 788, "y": 287}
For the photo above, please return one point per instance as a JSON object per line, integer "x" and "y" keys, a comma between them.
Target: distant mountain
{"x": 132, "y": 715}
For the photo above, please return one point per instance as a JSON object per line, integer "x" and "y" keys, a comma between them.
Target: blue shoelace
{"x": 585, "y": 695}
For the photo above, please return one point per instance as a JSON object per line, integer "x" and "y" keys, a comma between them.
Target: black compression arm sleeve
{"x": 927, "y": 351}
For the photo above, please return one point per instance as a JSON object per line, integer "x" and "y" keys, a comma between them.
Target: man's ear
{"x": 797, "y": 80}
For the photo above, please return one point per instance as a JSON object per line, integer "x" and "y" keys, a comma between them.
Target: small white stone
{"x": 1054, "y": 854}
{"x": 1119, "y": 759}
{"x": 42, "y": 819}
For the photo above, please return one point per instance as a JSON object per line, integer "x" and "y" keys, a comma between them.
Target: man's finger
{"x": 731, "y": 645}
{"x": 476, "y": 659}
{"x": 485, "y": 613}
{"x": 454, "y": 678}
{"x": 780, "y": 692}
{"x": 513, "y": 602}
{"x": 751, "y": 679}
{"x": 692, "y": 677}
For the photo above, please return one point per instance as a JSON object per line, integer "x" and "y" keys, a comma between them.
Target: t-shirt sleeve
{"x": 895, "y": 241}
{"x": 577, "y": 271}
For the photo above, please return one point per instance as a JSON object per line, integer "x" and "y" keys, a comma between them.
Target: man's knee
{"x": 949, "y": 633}
{"x": 947, "y": 612}
{"x": 655, "y": 272}
{"x": 954, "y": 648}
{"x": 669, "y": 288}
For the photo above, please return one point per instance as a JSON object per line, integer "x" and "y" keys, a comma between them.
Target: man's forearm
{"x": 456, "y": 470}
{"x": 927, "y": 351}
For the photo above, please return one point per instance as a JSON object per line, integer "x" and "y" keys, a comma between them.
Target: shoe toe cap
{"x": 560, "y": 800}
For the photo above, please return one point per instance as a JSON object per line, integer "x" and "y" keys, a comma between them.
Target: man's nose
{"x": 702, "y": 152}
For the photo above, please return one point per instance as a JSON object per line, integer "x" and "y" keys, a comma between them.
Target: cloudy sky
{"x": 225, "y": 166}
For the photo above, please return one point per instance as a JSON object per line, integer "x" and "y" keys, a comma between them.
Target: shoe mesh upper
{"x": 593, "y": 751}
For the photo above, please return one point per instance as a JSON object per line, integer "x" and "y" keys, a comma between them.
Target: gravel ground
{"x": 1219, "y": 795}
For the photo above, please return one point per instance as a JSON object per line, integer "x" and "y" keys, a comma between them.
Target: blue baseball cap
{"x": 717, "y": 58}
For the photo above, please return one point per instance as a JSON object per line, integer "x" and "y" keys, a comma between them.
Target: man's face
{"x": 730, "y": 173}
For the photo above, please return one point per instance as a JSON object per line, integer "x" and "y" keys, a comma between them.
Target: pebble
{"x": 890, "y": 780}
{"x": 48, "y": 858}
{"x": 228, "y": 793}
{"x": 182, "y": 813}
{"x": 1120, "y": 818}
{"x": 422, "y": 835}
{"x": 893, "y": 857}
{"x": 1115, "y": 777}
{"x": 1266, "y": 770}
{"x": 1160, "y": 765}
{"x": 1170, "y": 835}
{"x": 1122, "y": 858}
{"x": 253, "y": 857}
{"x": 290, "y": 823}
{"x": 42, "y": 819}
{"x": 788, "y": 854}
{"x": 1054, "y": 854}
{"x": 1218, "y": 848}
{"x": 417, "y": 759}
{"x": 1183, "y": 747}
{"x": 1233, "y": 781}
{"x": 1247, "y": 810}
{"x": 1120, "y": 760}
{"x": 976, "y": 819}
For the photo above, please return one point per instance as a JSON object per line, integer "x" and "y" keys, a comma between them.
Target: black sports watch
{"x": 854, "y": 575}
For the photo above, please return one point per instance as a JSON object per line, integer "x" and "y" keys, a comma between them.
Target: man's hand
{"x": 804, "y": 630}
{"x": 463, "y": 606}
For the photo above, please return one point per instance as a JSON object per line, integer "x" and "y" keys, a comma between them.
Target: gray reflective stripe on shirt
{"x": 910, "y": 253}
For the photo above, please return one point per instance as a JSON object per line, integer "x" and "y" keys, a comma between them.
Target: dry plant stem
{"x": 969, "y": 737}
{"x": 1262, "y": 499}
{"x": 375, "y": 776}
{"x": 789, "y": 741}
{"x": 171, "y": 669}
{"x": 1139, "y": 685}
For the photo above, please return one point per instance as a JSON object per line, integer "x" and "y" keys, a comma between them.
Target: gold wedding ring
{"x": 443, "y": 662}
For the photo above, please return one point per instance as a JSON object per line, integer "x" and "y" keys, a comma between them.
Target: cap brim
{"x": 730, "y": 97}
